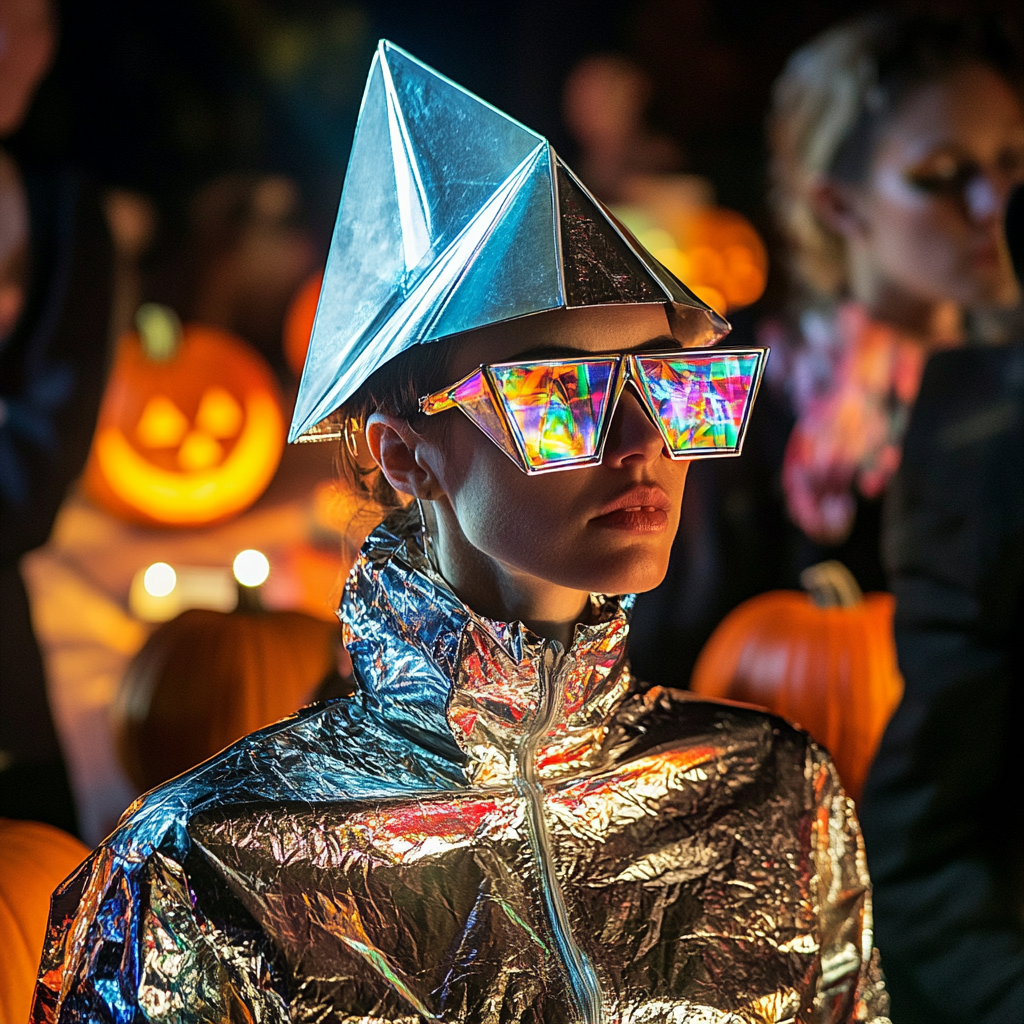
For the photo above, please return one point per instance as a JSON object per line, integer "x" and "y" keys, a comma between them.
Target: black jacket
{"x": 943, "y": 809}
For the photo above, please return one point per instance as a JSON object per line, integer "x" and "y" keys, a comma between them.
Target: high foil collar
{"x": 450, "y": 677}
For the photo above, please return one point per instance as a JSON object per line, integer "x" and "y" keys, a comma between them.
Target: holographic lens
{"x": 554, "y": 414}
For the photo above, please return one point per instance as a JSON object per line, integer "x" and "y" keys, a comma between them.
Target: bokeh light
{"x": 160, "y": 579}
{"x": 251, "y": 567}
{"x": 715, "y": 252}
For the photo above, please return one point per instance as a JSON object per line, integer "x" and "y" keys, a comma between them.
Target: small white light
{"x": 251, "y": 567}
{"x": 160, "y": 579}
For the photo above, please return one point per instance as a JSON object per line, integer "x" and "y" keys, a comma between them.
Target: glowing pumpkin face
{"x": 187, "y": 439}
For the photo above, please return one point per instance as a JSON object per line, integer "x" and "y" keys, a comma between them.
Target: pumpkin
{"x": 190, "y": 431}
{"x": 206, "y": 678}
{"x": 825, "y": 659}
{"x": 716, "y": 251}
{"x": 34, "y": 859}
{"x": 298, "y": 322}
{"x": 725, "y": 253}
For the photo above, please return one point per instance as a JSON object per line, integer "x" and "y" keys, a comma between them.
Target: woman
{"x": 501, "y": 825}
{"x": 896, "y": 142}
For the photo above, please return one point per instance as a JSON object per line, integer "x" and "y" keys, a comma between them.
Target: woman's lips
{"x": 643, "y": 519}
{"x": 639, "y": 510}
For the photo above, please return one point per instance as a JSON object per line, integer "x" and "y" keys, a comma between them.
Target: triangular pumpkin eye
{"x": 162, "y": 424}
{"x": 219, "y": 413}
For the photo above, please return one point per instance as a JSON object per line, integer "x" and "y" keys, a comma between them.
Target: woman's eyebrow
{"x": 542, "y": 352}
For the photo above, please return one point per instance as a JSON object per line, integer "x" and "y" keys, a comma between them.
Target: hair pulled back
{"x": 394, "y": 389}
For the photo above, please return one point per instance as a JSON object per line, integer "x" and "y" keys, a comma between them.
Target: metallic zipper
{"x": 583, "y": 984}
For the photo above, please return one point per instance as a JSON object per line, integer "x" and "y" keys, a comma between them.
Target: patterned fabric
{"x": 853, "y": 382}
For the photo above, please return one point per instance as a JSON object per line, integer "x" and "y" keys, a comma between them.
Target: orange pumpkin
{"x": 726, "y": 255}
{"x": 298, "y": 322}
{"x": 190, "y": 431}
{"x": 34, "y": 859}
{"x": 206, "y": 678}
{"x": 824, "y": 659}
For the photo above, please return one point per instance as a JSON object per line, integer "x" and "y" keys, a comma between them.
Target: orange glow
{"x": 162, "y": 425}
{"x": 189, "y": 438}
{"x": 219, "y": 415}
{"x": 191, "y": 498}
{"x": 712, "y": 296}
{"x": 727, "y": 255}
{"x": 715, "y": 252}
{"x": 298, "y": 323}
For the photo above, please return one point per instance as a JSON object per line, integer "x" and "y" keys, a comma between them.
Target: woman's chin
{"x": 624, "y": 572}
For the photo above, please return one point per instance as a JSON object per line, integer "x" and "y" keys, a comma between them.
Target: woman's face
{"x": 930, "y": 215}
{"x": 605, "y": 528}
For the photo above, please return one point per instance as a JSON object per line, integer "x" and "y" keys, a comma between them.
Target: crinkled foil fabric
{"x": 494, "y": 830}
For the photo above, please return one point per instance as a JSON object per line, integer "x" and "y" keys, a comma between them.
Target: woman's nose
{"x": 631, "y": 434}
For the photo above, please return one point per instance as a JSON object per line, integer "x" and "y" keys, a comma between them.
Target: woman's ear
{"x": 398, "y": 450}
{"x": 835, "y": 205}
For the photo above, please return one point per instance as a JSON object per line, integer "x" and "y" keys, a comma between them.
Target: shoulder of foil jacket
{"x": 328, "y": 752}
{"x": 331, "y": 751}
{"x": 661, "y": 715}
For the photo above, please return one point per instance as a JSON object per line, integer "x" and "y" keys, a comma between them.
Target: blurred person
{"x": 501, "y": 824}
{"x": 27, "y": 41}
{"x": 942, "y": 810}
{"x": 235, "y": 258}
{"x": 55, "y": 290}
{"x": 603, "y": 103}
{"x": 252, "y": 254}
{"x": 896, "y": 140}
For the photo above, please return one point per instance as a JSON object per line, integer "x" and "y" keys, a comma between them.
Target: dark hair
{"x": 835, "y": 98}
{"x": 395, "y": 389}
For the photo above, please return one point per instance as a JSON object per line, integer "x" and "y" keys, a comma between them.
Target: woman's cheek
{"x": 922, "y": 248}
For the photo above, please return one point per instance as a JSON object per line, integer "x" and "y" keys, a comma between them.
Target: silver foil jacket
{"x": 494, "y": 829}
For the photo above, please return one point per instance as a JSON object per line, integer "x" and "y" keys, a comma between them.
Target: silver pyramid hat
{"x": 455, "y": 216}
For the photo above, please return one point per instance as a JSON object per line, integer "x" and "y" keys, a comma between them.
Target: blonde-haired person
{"x": 896, "y": 140}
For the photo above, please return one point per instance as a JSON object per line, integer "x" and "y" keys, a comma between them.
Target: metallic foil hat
{"x": 454, "y": 216}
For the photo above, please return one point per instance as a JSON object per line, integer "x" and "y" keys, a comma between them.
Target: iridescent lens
{"x": 556, "y": 408}
{"x": 473, "y": 397}
{"x": 700, "y": 400}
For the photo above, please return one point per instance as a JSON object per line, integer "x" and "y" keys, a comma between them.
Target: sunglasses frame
{"x": 625, "y": 372}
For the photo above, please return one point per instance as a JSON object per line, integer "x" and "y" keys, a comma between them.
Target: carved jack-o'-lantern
{"x": 190, "y": 431}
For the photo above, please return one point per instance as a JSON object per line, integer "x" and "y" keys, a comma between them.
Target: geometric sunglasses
{"x": 554, "y": 414}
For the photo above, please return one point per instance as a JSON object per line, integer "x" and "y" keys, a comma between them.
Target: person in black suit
{"x": 943, "y": 808}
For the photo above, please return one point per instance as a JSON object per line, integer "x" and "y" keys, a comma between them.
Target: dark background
{"x": 162, "y": 96}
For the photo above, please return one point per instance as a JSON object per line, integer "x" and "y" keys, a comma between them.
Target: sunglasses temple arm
{"x": 440, "y": 401}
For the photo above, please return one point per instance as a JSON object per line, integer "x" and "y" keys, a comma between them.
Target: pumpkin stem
{"x": 159, "y": 330}
{"x": 831, "y": 585}
{"x": 249, "y": 600}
